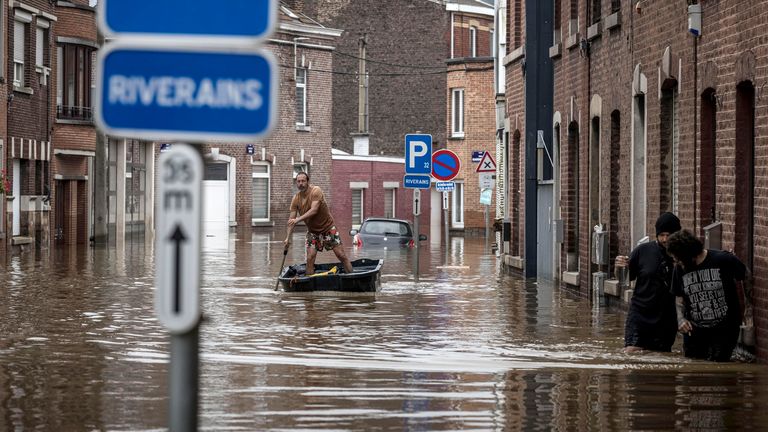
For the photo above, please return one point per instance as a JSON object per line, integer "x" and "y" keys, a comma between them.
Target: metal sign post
{"x": 416, "y": 213}
{"x": 177, "y": 277}
{"x": 445, "y": 218}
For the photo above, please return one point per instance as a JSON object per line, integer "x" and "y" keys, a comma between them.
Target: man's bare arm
{"x": 683, "y": 325}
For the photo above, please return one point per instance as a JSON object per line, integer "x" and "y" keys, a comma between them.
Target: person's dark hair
{"x": 684, "y": 246}
{"x": 304, "y": 173}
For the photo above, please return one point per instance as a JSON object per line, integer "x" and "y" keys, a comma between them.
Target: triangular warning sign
{"x": 487, "y": 164}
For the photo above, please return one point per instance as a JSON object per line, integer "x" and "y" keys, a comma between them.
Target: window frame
{"x": 457, "y": 116}
{"x": 74, "y": 77}
{"x": 472, "y": 41}
{"x": 19, "y": 64}
{"x": 362, "y": 208}
{"x": 301, "y": 117}
{"x": 42, "y": 50}
{"x": 390, "y": 192}
{"x": 457, "y": 200}
{"x": 267, "y": 175}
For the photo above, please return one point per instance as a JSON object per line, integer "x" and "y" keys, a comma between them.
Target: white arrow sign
{"x": 177, "y": 241}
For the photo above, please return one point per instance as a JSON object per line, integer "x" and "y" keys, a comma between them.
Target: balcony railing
{"x": 74, "y": 113}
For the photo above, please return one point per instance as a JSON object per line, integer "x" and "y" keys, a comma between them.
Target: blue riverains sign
{"x": 188, "y": 94}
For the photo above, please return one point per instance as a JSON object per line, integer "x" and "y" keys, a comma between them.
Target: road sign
{"x": 445, "y": 186}
{"x": 416, "y": 181}
{"x": 416, "y": 202}
{"x": 177, "y": 241}
{"x": 247, "y": 20}
{"x": 477, "y": 155}
{"x": 445, "y": 200}
{"x": 487, "y": 180}
{"x": 165, "y": 93}
{"x": 418, "y": 154}
{"x": 485, "y": 196}
{"x": 487, "y": 164}
{"x": 445, "y": 165}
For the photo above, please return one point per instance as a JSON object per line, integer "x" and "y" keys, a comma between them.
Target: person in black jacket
{"x": 651, "y": 320}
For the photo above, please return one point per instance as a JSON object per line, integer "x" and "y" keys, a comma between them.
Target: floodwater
{"x": 468, "y": 347}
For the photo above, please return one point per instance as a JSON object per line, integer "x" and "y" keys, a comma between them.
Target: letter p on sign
{"x": 418, "y": 154}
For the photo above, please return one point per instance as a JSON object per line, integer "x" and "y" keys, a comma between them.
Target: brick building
{"x": 250, "y": 186}
{"x": 649, "y": 118}
{"x": 4, "y": 168}
{"x": 47, "y": 133}
{"x": 470, "y": 107}
{"x": 405, "y": 48}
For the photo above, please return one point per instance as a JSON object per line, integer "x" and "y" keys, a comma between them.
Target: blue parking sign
{"x": 418, "y": 154}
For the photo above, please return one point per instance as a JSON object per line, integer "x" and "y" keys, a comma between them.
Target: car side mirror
{"x": 422, "y": 237}
{"x": 352, "y": 232}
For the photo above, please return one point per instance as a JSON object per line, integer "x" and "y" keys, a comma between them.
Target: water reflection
{"x": 469, "y": 347}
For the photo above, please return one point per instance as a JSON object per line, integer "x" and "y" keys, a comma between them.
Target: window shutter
{"x": 357, "y": 207}
{"x": 389, "y": 203}
{"x": 260, "y": 208}
{"x": 18, "y": 41}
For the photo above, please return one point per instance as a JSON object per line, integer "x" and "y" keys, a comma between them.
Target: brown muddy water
{"x": 469, "y": 347}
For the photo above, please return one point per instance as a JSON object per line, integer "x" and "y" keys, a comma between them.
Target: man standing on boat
{"x": 309, "y": 205}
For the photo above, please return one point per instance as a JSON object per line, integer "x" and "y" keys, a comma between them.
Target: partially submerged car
{"x": 384, "y": 233}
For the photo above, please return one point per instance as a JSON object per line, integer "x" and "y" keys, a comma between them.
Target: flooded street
{"x": 467, "y": 348}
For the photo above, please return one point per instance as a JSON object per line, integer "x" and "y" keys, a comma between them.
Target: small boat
{"x": 365, "y": 277}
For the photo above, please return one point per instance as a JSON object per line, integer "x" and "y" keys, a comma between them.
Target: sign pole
{"x": 487, "y": 234}
{"x": 177, "y": 294}
{"x": 184, "y": 376}
{"x": 416, "y": 213}
{"x": 445, "y": 219}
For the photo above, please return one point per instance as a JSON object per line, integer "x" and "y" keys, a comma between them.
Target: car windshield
{"x": 386, "y": 227}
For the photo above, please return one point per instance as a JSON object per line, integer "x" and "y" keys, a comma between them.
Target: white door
{"x": 16, "y": 227}
{"x": 216, "y": 205}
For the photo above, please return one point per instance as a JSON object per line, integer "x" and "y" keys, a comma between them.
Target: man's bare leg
{"x": 311, "y": 255}
{"x": 342, "y": 256}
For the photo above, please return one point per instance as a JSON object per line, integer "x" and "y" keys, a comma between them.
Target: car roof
{"x": 386, "y": 220}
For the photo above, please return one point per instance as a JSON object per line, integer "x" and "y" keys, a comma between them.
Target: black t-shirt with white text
{"x": 709, "y": 289}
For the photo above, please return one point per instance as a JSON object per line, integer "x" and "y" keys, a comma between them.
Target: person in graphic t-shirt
{"x": 708, "y": 295}
{"x": 309, "y": 205}
{"x": 651, "y": 323}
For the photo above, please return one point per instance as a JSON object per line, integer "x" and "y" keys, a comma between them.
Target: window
{"x": 301, "y": 97}
{"x": 41, "y": 51}
{"x": 260, "y": 192}
{"x": 357, "y": 208}
{"x": 457, "y": 208}
{"x": 457, "y": 113}
{"x": 389, "y": 202}
{"x": 493, "y": 44}
{"x": 73, "y": 94}
{"x": 473, "y": 41}
{"x": 596, "y": 11}
{"x": 19, "y": 52}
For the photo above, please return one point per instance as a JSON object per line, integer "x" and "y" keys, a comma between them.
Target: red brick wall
{"x": 375, "y": 173}
{"x": 476, "y": 78}
{"x": 286, "y": 142}
{"x": 461, "y": 35}
{"x": 731, "y": 50}
{"x": 402, "y": 99}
